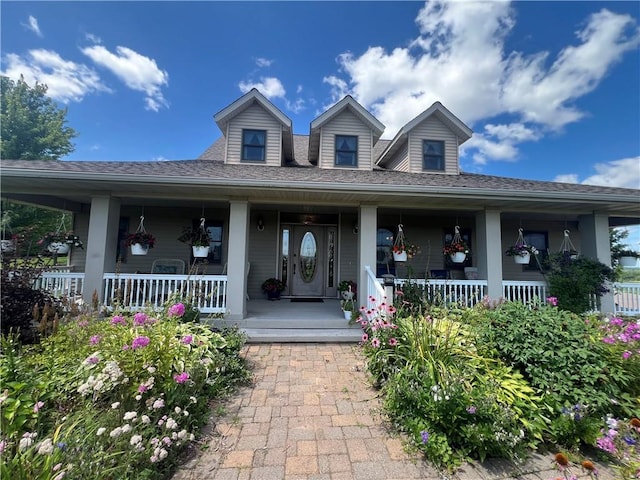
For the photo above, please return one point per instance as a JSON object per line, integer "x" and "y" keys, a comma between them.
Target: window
{"x": 433, "y": 155}
{"x": 253, "y": 145}
{"x": 384, "y": 258}
{"x": 346, "y": 151}
{"x": 540, "y": 240}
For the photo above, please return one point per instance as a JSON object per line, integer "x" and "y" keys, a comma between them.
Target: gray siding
{"x": 400, "y": 161}
{"x": 263, "y": 250}
{"x": 346, "y": 123}
{"x": 348, "y": 245}
{"x": 433, "y": 129}
{"x": 255, "y": 117}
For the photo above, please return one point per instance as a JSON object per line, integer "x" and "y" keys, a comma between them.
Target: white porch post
{"x": 594, "y": 243}
{"x": 237, "y": 259}
{"x": 488, "y": 251}
{"x": 101, "y": 245}
{"x": 367, "y": 243}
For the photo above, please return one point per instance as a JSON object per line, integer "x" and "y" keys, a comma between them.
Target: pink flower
{"x": 142, "y": 388}
{"x": 393, "y": 341}
{"x": 118, "y": 320}
{"x": 176, "y": 310}
{"x": 187, "y": 339}
{"x": 181, "y": 377}
{"x": 552, "y": 301}
{"x": 139, "y": 319}
{"x": 626, "y": 354}
{"x": 375, "y": 342}
{"x": 365, "y": 337}
{"x": 83, "y": 323}
{"x": 94, "y": 340}
{"x": 140, "y": 342}
{"x": 38, "y": 406}
{"x": 93, "y": 360}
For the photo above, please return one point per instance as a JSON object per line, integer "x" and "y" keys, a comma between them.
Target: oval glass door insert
{"x": 308, "y": 257}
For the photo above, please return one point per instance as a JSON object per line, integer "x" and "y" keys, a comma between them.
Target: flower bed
{"x": 114, "y": 398}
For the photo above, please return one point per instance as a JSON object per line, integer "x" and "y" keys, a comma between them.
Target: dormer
{"x": 255, "y": 131}
{"x": 344, "y": 136}
{"x": 427, "y": 144}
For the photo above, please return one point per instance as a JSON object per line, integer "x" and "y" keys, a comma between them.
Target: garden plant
{"x": 502, "y": 379}
{"x": 116, "y": 397}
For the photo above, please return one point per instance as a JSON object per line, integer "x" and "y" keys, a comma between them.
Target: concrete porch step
{"x": 302, "y": 335}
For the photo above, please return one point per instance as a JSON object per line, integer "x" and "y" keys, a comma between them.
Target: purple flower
{"x": 139, "y": 319}
{"x": 181, "y": 377}
{"x": 38, "y": 406}
{"x": 552, "y": 301}
{"x": 142, "y": 388}
{"x": 176, "y": 310}
{"x": 94, "y": 340}
{"x": 118, "y": 320}
{"x": 83, "y": 323}
{"x": 626, "y": 354}
{"x": 187, "y": 339}
{"x": 140, "y": 342}
{"x": 93, "y": 360}
{"x": 425, "y": 436}
{"x": 471, "y": 409}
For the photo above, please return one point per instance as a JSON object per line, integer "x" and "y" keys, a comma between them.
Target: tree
{"x": 32, "y": 125}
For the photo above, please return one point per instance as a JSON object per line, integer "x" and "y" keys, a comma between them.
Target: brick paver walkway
{"x": 311, "y": 414}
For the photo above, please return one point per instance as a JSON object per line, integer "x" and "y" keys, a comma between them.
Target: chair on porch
{"x": 173, "y": 266}
{"x": 224, "y": 272}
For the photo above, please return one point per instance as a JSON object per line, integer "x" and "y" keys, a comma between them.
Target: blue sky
{"x": 550, "y": 89}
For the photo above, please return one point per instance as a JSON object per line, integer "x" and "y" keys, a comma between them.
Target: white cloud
{"x": 263, "y": 62}
{"x": 66, "y": 81}
{"x": 459, "y": 59}
{"x": 32, "y": 24}
{"x": 270, "y": 87}
{"x": 92, "y": 38}
{"x": 138, "y": 72}
{"x": 566, "y": 178}
{"x": 623, "y": 173}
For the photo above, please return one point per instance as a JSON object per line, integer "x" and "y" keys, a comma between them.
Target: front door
{"x": 307, "y": 261}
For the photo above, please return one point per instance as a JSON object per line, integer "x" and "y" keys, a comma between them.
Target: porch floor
{"x": 286, "y": 321}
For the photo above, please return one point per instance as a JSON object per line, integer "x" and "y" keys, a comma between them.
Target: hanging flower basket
{"x": 199, "y": 251}
{"x": 520, "y": 251}
{"x": 59, "y": 248}
{"x": 198, "y": 238}
{"x": 567, "y": 249}
{"x": 457, "y": 249}
{"x": 402, "y": 249}
{"x": 140, "y": 241}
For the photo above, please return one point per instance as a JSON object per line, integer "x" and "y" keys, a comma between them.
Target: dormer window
{"x": 346, "y": 151}
{"x": 433, "y": 155}
{"x": 253, "y": 145}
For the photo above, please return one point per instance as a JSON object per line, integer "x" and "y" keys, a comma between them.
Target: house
{"x": 316, "y": 209}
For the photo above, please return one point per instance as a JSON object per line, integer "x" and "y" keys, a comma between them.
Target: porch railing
{"x": 375, "y": 290}
{"x": 132, "y": 291}
{"x": 462, "y": 292}
{"x": 61, "y": 284}
{"x": 524, "y": 291}
{"x": 626, "y": 298}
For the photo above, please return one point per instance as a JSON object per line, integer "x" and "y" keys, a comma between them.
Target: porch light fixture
{"x": 355, "y": 228}
{"x": 260, "y": 224}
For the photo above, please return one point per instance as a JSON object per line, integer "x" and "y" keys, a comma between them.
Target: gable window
{"x": 346, "y": 151}
{"x": 253, "y": 145}
{"x": 433, "y": 155}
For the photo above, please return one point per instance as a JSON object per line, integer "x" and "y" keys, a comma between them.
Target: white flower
{"x": 25, "y": 442}
{"x": 145, "y": 419}
{"x": 192, "y": 437}
{"x": 193, "y": 399}
{"x": 130, "y": 415}
{"x": 126, "y": 428}
{"x": 116, "y": 432}
{"x": 158, "y": 404}
{"x": 138, "y": 397}
{"x": 45, "y": 447}
{"x": 163, "y": 454}
{"x": 182, "y": 434}
{"x": 185, "y": 413}
{"x": 171, "y": 424}
{"x": 115, "y": 405}
{"x": 154, "y": 458}
{"x": 100, "y": 431}
{"x": 135, "y": 439}
{"x": 151, "y": 369}
{"x": 177, "y": 409}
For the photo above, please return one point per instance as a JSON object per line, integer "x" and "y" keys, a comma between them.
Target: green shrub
{"x": 565, "y": 360}
{"x": 113, "y": 398}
